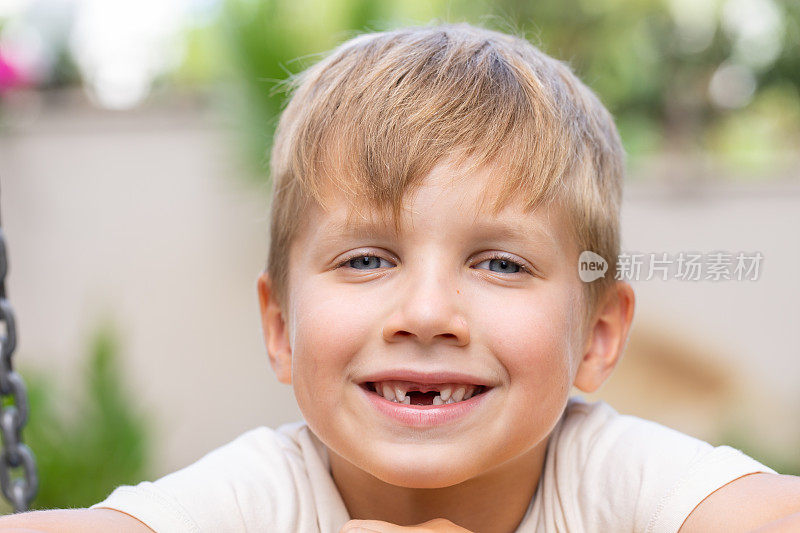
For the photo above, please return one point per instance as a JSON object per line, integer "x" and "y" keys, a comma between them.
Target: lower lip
{"x": 421, "y": 416}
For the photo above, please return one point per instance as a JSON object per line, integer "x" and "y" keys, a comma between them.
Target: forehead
{"x": 484, "y": 188}
{"x": 447, "y": 196}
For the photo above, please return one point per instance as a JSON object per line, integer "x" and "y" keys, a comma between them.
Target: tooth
{"x": 399, "y": 393}
{"x": 437, "y": 400}
{"x": 450, "y": 401}
{"x": 407, "y": 400}
{"x": 446, "y": 392}
{"x": 388, "y": 393}
{"x": 470, "y": 391}
{"x": 458, "y": 394}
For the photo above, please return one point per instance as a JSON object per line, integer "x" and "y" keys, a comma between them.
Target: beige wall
{"x": 142, "y": 217}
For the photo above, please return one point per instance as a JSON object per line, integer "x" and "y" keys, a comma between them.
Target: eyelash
{"x": 506, "y": 257}
{"x": 496, "y": 255}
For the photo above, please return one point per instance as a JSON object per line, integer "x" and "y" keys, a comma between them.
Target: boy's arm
{"x": 73, "y": 520}
{"x": 748, "y": 503}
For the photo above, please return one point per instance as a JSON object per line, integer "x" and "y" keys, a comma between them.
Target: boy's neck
{"x": 495, "y": 502}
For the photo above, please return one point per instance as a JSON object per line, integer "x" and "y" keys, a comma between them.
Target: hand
{"x": 437, "y": 525}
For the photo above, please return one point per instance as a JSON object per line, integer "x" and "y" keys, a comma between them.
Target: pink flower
{"x": 9, "y": 75}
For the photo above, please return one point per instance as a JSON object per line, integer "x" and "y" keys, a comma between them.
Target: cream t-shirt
{"x": 603, "y": 472}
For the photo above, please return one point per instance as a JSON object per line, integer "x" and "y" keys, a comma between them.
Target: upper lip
{"x": 428, "y": 378}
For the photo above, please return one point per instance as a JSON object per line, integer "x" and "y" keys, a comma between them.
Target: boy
{"x": 433, "y": 189}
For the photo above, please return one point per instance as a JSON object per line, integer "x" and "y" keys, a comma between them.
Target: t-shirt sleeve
{"x": 244, "y": 485}
{"x": 630, "y": 474}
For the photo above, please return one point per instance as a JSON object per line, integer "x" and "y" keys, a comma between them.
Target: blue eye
{"x": 502, "y": 265}
{"x": 365, "y": 262}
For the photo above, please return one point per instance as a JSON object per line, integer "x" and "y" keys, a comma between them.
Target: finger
{"x": 372, "y": 526}
{"x": 437, "y": 525}
{"x": 440, "y": 525}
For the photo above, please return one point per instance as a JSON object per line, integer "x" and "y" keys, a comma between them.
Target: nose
{"x": 429, "y": 312}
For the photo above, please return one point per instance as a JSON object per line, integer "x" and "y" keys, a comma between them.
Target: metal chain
{"x": 14, "y": 413}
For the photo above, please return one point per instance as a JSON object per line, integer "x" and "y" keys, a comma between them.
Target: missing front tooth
{"x": 422, "y": 398}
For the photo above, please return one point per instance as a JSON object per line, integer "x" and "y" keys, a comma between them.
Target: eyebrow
{"x": 486, "y": 228}
{"x": 358, "y": 228}
{"x": 509, "y": 232}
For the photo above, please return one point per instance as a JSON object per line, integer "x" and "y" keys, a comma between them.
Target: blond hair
{"x": 381, "y": 110}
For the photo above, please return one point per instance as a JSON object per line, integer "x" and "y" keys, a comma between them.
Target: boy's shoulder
{"x": 261, "y": 479}
{"x": 622, "y": 472}
{"x": 591, "y": 424}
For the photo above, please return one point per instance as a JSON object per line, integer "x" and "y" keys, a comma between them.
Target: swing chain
{"x": 13, "y": 409}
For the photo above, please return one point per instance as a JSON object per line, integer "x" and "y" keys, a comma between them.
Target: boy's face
{"x": 493, "y": 300}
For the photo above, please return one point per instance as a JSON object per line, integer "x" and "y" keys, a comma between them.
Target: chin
{"x": 414, "y": 473}
{"x": 415, "y": 479}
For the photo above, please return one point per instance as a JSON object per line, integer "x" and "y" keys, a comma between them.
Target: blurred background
{"x": 133, "y": 155}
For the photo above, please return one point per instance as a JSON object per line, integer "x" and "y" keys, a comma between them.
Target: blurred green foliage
{"x": 85, "y": 447}
{"x": 735, "y": 437}
{"x": 651, "y": 61}
{"x": 718, "y": 78}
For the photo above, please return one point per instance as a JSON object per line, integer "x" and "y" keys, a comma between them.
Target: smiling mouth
{"x": 410, "y": 393}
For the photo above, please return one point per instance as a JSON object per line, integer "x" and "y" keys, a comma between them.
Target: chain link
{"x": 13, "y": 409}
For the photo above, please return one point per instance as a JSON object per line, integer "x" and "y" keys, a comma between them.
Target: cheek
{"x": 329, "y": 330}
{"x": 533, "y": 342}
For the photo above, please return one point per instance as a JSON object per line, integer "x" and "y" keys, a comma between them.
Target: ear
{"x": 276, "y": 335}
{"x": 607, "y": 336}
